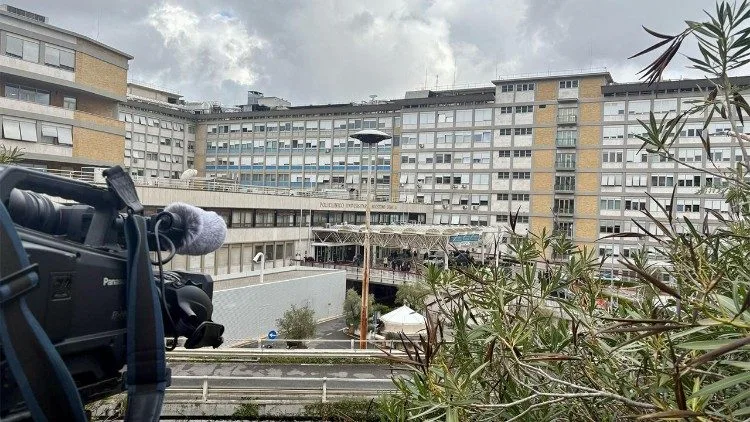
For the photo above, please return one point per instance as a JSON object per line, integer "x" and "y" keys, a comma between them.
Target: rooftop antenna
{"x": 372, "y": 98}
{"x": 425, "y": 77}
{"x": 437, "y": 78}
{"x": 455, "y": 69}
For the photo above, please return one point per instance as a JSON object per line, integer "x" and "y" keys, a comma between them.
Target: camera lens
{"x": 34, "y": 211}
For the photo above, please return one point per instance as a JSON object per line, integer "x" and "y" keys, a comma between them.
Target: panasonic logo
{"x": 112, "y": 281}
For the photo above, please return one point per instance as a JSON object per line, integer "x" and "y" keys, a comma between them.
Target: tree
{"x": 413, "y": 295}
{"x": 505, "y": 346}
{"x": 297, "y": 323}
{"x": 353, "y": 308}
{"x": 10, "y": 155}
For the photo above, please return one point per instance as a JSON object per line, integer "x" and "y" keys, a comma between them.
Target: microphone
{"x": 201, "y": 232}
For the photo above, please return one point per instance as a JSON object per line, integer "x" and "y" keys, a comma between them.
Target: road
{"x": 363, "y": 372}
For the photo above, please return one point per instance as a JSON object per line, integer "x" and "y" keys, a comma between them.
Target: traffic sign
{"x": 272, "y": 335}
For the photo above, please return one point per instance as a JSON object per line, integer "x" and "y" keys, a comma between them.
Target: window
{"x": 568, "y": 84}
{"x": 610, "y": 204}
{"x": 639, "y": 107}
{"x": 445, "y": 118}
{"x": 635, "y": 204}
{"x": 503, "y": 175}
{"x": 481, "y": 158}
{"x": 409, "y": 119}
{"x": 427, "y": 119}
{"x": 152, "y": 156}
{"x": 609, "y": 227}
{"x": 519, "y": 197}
{"x": 483, "y": 117}
{"x": 523, "y": 219}
{"x": 22, "y": 48}
{"x": 636, "y": 180}
{"x": 168, "y": 141}
{"x": 442, "y": 158}
{"x": 636, "y": 156}
{"x": 564, "y": 206}
{"x": 611, "y": 179}
{"x": 720, "y": 154}
{"x": 502, "y": 196}
{"x": 54, "y": 134}
{"x": 614, "y": 108}
{"x": 613, "y": 132}
{"x": 689, "y": 180}
{"x": 59, "y": 57}
{"x": 662, "y": 181}
{"x": 523, "y": 87}
{"x": 463, "y": 118}
{"x": 521, "y": 175}
{"x": 69, "y": 103}
{"x": 22, "y": 130}
{"x": 408, "y": 159}
{"x": 688, "y": 205}
{"x": 565, "y": 182}
{"x": 522, "y": 153}
{"x": 690, "y": 155}
{"x": 482, "y": 137}
{"x": 506, "y": 88}
{"x": 23, "y": 93}
{"x": 612, "y": 157}
{"x": 503, "y": 153}
{"x": 523, "y": 131}
{"x": 506, "y": 110}
{"x": 525, "y": 109}
{"x": 668, "y": 105}
{"x": 504, "y": 132}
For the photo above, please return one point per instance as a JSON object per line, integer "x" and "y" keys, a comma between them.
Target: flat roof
{"x": 553, "y": 74}
{"x": 64, "y": 31}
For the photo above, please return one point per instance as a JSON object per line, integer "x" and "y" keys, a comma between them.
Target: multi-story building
{"x": 159, "y": 132}
{"x": 60, "y": 92}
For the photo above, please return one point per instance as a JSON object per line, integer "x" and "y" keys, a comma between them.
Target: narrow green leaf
{"x": 722, "y": 384}
{"x": 670, "y": 414}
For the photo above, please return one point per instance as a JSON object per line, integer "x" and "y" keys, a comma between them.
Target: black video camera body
{"x": 80, "y": 300}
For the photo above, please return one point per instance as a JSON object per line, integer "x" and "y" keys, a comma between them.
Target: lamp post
{"x": 370, "y": 137}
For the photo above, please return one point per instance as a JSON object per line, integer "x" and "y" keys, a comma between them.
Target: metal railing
{"x": 566, "y": 142}
{"x": 212, "y": 185}
{"x": 567, "y": 119}
{"x": 255, "y": 348}
{"x": 565, "y": 188}
{"x": 565, "y": 165}
{"x": 380, "y": 276}
{"x": 320, "y": 388}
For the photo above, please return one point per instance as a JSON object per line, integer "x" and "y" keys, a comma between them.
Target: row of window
{"x": 302, "y": 125}
{"x": 153, "y": 122}
{"x": 155, "y": 156}
{"x": 33, "y": 131}
{"x": 161, "y": 140}
{"x": 688, "y": 155}
{"x": 690, "y": 130}
{"x": 661, "y": 180}
{"x": 30, "y": 50}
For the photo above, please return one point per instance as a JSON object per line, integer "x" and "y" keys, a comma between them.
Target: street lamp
{"x": 370, "y": 137}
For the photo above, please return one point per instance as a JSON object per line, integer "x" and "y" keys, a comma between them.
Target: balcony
{"x": 18, "y": 66}
{"x": 568, "y": 165}
{"x": 29, "y": 107}
{"x": 568, "y": 119}
{"x": 565, "y": 187}
{"x": 565, "y": 211}
{"x": 566, "y": 142}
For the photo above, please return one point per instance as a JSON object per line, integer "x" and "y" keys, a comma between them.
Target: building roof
{"x": 552, "y": 75}
{"x": 703, "y": 83}
{"x": 64, "y": 31}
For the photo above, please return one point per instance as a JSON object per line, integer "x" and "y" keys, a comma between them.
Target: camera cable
{"x": 160, "y": 283}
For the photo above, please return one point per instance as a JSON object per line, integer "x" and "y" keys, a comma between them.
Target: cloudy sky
{"x": 328, "y": 51}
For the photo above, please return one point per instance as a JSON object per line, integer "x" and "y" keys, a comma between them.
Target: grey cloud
{"x": 344, "y": 50}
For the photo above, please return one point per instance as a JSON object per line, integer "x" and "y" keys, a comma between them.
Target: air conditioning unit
{"x": 401, "y": 185}
{"x": 454, "y": 187}
{"x": 134, "y": 160}
{"x": 445, "y": 206}
{"x": 475, "y": 207}
{"x": 465, "y": 207}
{"x": 421, "y": 145}
{"x": 328, "y": 150}
{"x": 464, "y": 186}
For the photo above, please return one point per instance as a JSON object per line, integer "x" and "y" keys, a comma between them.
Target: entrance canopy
{"x": 408, "y": 236}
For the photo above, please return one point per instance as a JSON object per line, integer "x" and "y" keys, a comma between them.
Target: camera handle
{"x": 40, "y": 373}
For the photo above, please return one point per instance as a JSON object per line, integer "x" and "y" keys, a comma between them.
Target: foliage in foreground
{"x": 346, "y": 410}
{"x": 297, "y": 323}
{"x": 10, "y": 155}
{"x": 502, "y": 346}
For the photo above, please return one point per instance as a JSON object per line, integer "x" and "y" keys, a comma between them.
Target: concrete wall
{"x": 252, "y": 311}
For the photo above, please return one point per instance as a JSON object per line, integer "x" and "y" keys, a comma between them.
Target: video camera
{"x": 80, "y": 252}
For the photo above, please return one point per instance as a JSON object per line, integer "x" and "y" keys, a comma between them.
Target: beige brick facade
{"x": 97, "y": 105}
{"x": 97, "y": 145}
{"x": 542, "y": 182}
{"x": 586, "y": 230}
{"x": 395, "y": 169}
{"x": 100, "y": 74}
{"x": 544, "y": 137}
{"x": 590, "y": 113}
{"x": 589, "y": 159}
{"x": 546, "y": 115}
{"x": 541, "y": 205}
{"x": 587, "y": 206}
{"x": 589, "y": 136}
{"x": 542, "y": 160}
{"x": 588, "y": 182}
{"x": 99, "y": 120}
{"x": 200, "y": 149}
{"x": 591, "y": 87}
{"x": 537, "y": 224}
{"x": 546, "y": 90}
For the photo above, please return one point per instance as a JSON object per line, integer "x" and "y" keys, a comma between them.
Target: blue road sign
{"x": 272, "y": 335}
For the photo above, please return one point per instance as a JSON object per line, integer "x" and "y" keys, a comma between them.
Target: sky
{"x": 330, "y": 51}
